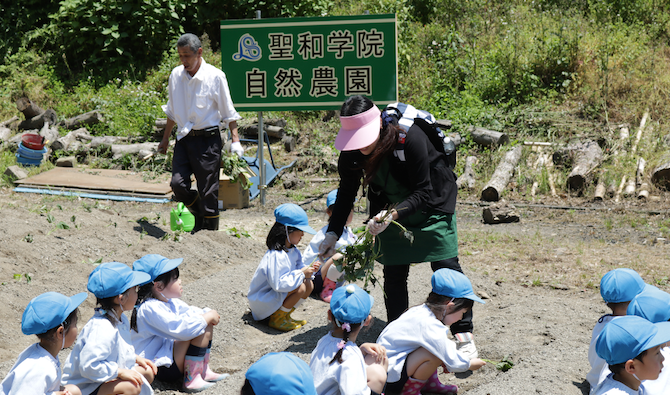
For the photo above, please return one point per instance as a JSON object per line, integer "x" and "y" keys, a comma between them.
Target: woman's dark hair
{"x": 67, "y": 324}
{"x": 616, "y": 369}
{"x": 247, "y": 389}
{"x": 276, "y": 239}
{"x": 146, "y": 292}
{"x": 437, "y": 303}
{"x": 345, "y": 339}
{"x": 388, "y": 136}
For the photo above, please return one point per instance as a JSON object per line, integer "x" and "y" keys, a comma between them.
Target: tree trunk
{"x": 50, "y": 134}
{"x": 63, "y": 143}
{"x": 487, "y": 137}
{"x": 660, "y": 176}
{"x": 467, "y": 179}
{"x": 105, "y": 140}
{"x": 502, "y": 175}
{"x": 501, "y": 212}
{"x": 140, "y": 149}
{"x": 586, "y": 160}
{"x": 271, "y": 130}
{"x": 28, "y": 108}
{"x": 89, "y": 118}
{"x": 4, "y": 134}
{"x": 7, "y": 123}
{"x": 36, "y": 122}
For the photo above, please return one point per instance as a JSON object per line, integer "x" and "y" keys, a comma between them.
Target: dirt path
{"x": 539, "y": 276}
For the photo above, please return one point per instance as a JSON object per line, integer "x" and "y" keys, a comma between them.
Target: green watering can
{"x": 181, "y": 219}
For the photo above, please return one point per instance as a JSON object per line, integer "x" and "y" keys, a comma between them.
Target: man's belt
{"x": 208, "y": 132}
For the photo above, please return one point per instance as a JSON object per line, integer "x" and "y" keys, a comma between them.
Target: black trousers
{"x": 397, "y": 299}
{"x": 200, "y": 156}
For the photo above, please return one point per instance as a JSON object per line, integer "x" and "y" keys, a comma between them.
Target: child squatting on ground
{"x": 617, "y": 288}
{"x": 175, "y": 336}
{"x": 339, "y": 366}
{"x": 417, "y": 343}
{"x": 53, "y": 318}
{"x": 631, "y": 346}
{"x": 103, "y": 360}
{"x": 281, "y": 282}
{"x": 327, "y": 278}
{"x": 278, "y": 373}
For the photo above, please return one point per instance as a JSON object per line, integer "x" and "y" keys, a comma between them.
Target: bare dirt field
{"x": 539, "y": 277}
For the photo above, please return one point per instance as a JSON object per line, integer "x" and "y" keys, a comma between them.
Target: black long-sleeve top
{"x": 424, "y": 173}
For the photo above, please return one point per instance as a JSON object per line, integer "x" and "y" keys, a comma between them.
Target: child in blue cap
{"x": 653, "y": 305}
{"x": 339, "y": 366}
{"x": 175, "y": 336}
{"x": 631, "y": 346}
{"x": 53, "y": 318}
{"x": 417, "y": 342}
{"x": 617, "y": 288}
{"x": 103, "y": 360}
{"x": 278, "y": 373}
{"x": 282, "y": 282}
{"x": 328, "y": 277}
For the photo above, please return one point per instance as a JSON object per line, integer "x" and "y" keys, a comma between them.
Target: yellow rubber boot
{"x": 299, "y": 322}
{"x": 281, "y": 320}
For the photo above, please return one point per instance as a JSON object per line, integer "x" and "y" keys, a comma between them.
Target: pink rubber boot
{"x": 412, "y": 386}
{"x": 434, "y": 386}
{"x": 194, "y": 367}
{"x": 208, "y": 374}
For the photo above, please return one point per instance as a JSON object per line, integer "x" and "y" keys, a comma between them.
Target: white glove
{"x": 327, "y": 246}
{"x": 333, "y": 274}
{"x": 375, "y": 227}
{"x": 236, "y": 148}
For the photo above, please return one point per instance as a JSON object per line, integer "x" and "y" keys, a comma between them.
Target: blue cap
{"x": 621, "y": 285}
{"x": 448, "y": 282}
{"x": 114, "y": 278}
{"x": 351, "y": 304}
{"x": 627, "y": 337}
{"x": 281, "y": 373}
{"x": 48, "y": 311}
{"x": 155, "y": 265}
{"x": 290, "y": 214}
{"x": 651, "y": 304}
{"x": 332, "y": 197}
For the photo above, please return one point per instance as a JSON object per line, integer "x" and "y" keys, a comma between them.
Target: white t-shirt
{"x": 599, "y": 368}
{"x": 346, "y": 378}
{"x": 609, "y": 386}
{"x": 36, "y": 372}
{"x": 278, "y": 274}
{"x": 418, "y": 327}
{"x": 160, "y": 324}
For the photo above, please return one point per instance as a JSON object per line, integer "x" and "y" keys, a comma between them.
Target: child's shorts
{"x": 170, "y": 374}
{"x": 396, "y": 387}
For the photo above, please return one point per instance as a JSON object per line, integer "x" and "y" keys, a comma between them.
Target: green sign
{"x": 309, "y": 63}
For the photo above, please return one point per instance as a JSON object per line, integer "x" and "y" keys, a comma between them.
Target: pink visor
{"x": 358, "y": 131}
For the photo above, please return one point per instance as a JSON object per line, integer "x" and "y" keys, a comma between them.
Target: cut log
{"x": 502, "y": 175}
{"x": 629, "y": 190}
{"x": 467, "y": 179}
{"x": 455, "y": 137}
{"x": 161, "y": 123}
{"x": 643, "y": 191}
{"x": 271, "y": 130}
{"x": 5, "y": 124}
{"x": 660, "y": 176}
{"x": 643, "y": 122}
{"x": 537, "y": 143}
{"x": 620, "y": 189}
{"x": 599, "y": 195}
{"x": 50, "y": 134}
{"x": 28, "y": 108}
{"x": 549, "y": 164}
{"x": 499, "y": 213}
{"x": 63, "y": 143}
{"x": 289, "y": 143}
{"x": 444, "y": 124}
{"x": 38, "y": 121}
{"x": 140, "y": 149}
{"x": 106, "y": 140}
{"x": 487, "y": 137}
{"x": 89, "y": 118}
{"x": 639, "y": 173}
{"x": 586, "y": 160}
{"x": 5, "y": 133}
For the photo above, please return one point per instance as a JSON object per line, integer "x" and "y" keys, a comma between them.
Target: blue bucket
{"x": 29, "y": 157}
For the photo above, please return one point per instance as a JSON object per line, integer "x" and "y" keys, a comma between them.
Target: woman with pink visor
{"x": 421, "y": 189}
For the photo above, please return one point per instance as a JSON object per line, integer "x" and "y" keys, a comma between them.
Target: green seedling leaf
{"x": 62, "y": 225}
{"x": 503, "y": 365}
{"x": 50, "y": 218}
{"x": 73, "y": 218}
{"x": 28, "y": 238}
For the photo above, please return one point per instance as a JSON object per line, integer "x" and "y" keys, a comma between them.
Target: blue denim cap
{"x": 351, "y": 304}
{"x": 651, "y": 304}
{"x": 281, "y": 373}
{"x": 627, "y": 337}
{"x": 114, "y": 278}
{"x": 620, "y": 285}
{"x": 448, "y": 282}
{"x": 290, "y": 214}
{"x": 48, "y": 311}
{"x": 155, "y": 265}
{"x": 332, "y": 197}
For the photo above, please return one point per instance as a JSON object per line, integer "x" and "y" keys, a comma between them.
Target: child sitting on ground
{"x": 281, "y": 282}
{"x": 617, "y": 288}
{"x": 103, "y": 360}
{"x": 631, "y": 346}
{"x": 653, "y": 305}
{"x": 278, "y": 373}
{"x": 417, "y": 344}
{"x": 53, "y": 318}
{"x": 175, "y": 336}
{"x": 328, "y": 277}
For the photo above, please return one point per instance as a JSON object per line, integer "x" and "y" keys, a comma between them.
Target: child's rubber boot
{"x": 328, "y": 288}
{"x": 434, "y": 386}
{"x": 194, "y": 366}
{"x": 281, "y": 320}
{"x": 301, "y": 322}
{"x": 208, "y": 374}
{"x": 412, "y": 386}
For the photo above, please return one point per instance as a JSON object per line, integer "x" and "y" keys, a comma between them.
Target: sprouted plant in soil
{"x": 503, "y": 365}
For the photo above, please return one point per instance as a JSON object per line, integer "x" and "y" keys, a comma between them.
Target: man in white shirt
{"x": 198, "y": 101}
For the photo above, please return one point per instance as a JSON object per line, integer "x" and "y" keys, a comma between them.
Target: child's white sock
{"x": 284, "y": 309}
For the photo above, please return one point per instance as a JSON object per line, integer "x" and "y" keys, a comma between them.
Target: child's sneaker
{"x": 281, "y": 320}
{"x": 328, "y": 288}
